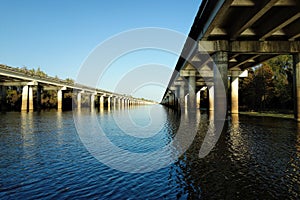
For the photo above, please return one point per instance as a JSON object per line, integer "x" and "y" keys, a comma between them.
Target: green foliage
{"x": 268, "y": 86}
{"x": 70, "y": 81}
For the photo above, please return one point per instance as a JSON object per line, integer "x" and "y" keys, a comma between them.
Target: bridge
{"x": 31, "y": 84}
{"x": 230, "y": 37}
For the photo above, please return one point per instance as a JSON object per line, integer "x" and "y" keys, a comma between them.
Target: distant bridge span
{"x": 236, "y": 35}
{"x": 10, "y": 76}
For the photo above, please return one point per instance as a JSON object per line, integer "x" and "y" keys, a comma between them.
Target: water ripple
{"x": 41, "y": 156}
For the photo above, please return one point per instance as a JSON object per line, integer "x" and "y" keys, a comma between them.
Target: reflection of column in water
{"x": 26, "y": 127}
{"x": 93, "y": 110}
{"x": 59, "y": 119}
{"x": 298, "y": 141}
{"x": 235, "y": 121}
{"x": 211, "y": 115}
{"x": 101, "y": 110}
{"x": 198, "y": 115}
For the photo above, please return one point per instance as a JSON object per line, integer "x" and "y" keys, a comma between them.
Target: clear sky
{"x": 58, "y": 35}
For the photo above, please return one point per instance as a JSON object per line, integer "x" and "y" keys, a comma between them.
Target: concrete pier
{"x": 2, "y": 98}
{"x": 79, "y": 100}
{"x": 234, "y": 81}
{"x": 211, "y": 97}
{"x": 182, "y": 95}
{"x": 220, "y": 83}
{"x": 296, "y": 67}
{"x": 192, "y": 92}
{"x": 198, "y": 99}
{"x": 27, "y": 98}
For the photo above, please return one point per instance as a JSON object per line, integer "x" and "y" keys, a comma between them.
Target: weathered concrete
{"x": 182, "y": 95}
{"x": 250, "y": 47}
{"x": 234, "y": 80}
{"x": 24, "y": 105}
{"x": 27, "y": 98}
{"x": 198, "y": 99}
{"x": 79, "y": 100}
{"x": 2, "y": 98}
{"x": 296, "y": 63}
{"x": 30, "y": 98}
{"x": 101, "y": 102}
{"x": 192, "y": 93}
{"x": 220, "y": 82}
{"x": 92, "y": 101}
{"x": 211, "y": 97}
{"x": 60, "y": 99}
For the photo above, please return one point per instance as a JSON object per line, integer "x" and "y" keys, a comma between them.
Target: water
{"x": 42, "y": 156}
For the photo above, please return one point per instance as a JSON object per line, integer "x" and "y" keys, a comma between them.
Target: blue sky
{"x": 58, "y": 36}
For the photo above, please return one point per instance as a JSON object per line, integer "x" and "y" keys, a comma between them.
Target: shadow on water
{"x": 252, "y": 159}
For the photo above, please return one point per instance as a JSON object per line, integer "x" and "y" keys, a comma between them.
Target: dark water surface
{"x": 42, "y": 156}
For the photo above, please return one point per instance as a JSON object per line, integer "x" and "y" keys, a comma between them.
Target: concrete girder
{"x": 251, "y": 47}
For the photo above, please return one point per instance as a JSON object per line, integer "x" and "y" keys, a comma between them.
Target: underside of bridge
{"x": 227, "y": 38}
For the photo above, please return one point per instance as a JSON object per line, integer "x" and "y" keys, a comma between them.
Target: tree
{"x": 283, "y": 81}
{"x": 269, "y": 86}
{"x": 264, "y": 87}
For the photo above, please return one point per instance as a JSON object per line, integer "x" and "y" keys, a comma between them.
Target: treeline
{"x": 269, "y": 86}
{"x": 38, "y": 72}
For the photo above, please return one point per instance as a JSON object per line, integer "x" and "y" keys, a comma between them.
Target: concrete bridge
{"x": 10, "y": 76}
{"x": 231, "y": 36}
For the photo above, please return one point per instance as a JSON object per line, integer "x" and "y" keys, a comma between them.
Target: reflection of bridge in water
{"x": 33, "y": 86}
{"x": 231, "y": 36}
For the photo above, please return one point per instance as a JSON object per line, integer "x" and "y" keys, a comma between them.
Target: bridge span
{"x": 31, "y": 84}
{"x": 232, "y": 36}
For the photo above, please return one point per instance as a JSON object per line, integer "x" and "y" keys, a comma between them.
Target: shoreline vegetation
{"x": 268, "y": 114}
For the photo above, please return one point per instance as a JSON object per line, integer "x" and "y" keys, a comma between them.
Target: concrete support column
{"x": 59, "y": 99}
{"x": 92, "y": 101}
{"x": 296, "y": 63}
{"x": 182, "y": 96}
{"x": 211, "y": 97}
{"x": 198, "y": 98}
{"x": 79, "y": 100}
{"x": 235, "y": 92}
{"x": 2, "y": 97}
{"x": 119, "y": 102}
{"x": 192, "y": 93}
{"x": 30, "y": 98}
{"x": 27, "y": 98}
{"x": 114, "y": 101}
{"x": 101, "y": 102}
{"x": 39, "y": 97}
{"x": 24, "y": 105}
{"x": 174, "y": 100}
{"x": 108, "y": 102}
{"x": 177, "y": 96}
{"x": 220, "y": 84}
{"x": 170, "y": 95}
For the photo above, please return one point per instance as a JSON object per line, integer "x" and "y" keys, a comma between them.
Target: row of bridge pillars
{"x": 27, "y": 99}
{"x": 190, "y": 98}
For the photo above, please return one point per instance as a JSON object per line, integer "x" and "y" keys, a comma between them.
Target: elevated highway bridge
{"x": 230, "y": 36}
{"x": 31, "y": 84}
